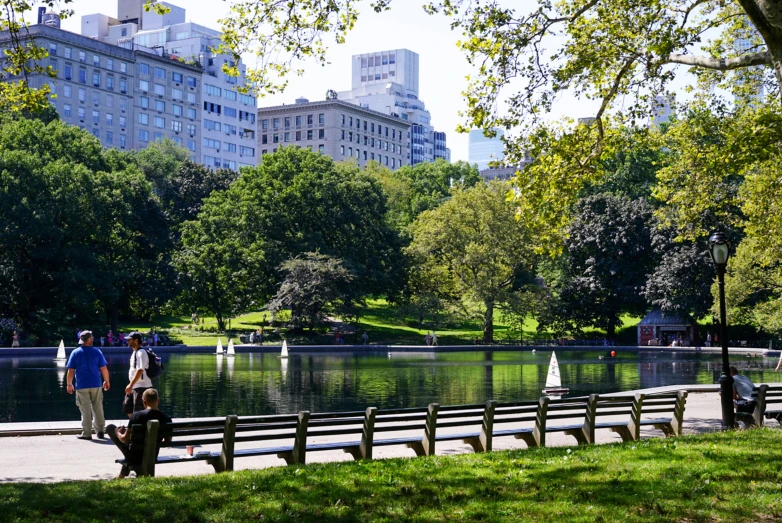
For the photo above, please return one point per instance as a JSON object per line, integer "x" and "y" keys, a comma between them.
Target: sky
{"x": 443, "y": 67}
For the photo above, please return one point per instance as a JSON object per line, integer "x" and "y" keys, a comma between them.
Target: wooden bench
{"x": 361, "y": 429}
{"x": 763, "y": 396}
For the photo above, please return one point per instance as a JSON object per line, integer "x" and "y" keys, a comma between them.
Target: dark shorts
{"x": 133, "y": 401}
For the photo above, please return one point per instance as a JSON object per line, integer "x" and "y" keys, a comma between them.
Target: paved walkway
{"x": 62, "y": 457}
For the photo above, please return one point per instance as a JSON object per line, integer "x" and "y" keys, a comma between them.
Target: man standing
{"x": 121, "y": 436}
{"x": 89, "y": 366}
{"x": 139, "y": 381}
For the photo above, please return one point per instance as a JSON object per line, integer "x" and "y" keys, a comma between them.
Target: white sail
{"x": 219, "y": 346}
{"x": 284, "y": 351}
{"x": 231, "y": 351}
{"x": 61, "y": 351}
{"x": 553, "y": 380}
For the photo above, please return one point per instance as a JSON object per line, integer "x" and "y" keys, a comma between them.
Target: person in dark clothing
{"x": 122, "y": 436}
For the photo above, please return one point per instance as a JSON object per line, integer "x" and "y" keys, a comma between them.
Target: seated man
{"x": 742, "y": 394}
{"x": 122, "y": 436}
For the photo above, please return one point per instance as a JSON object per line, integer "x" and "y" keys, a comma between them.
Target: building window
{"x": 177, "y": 78}
{"x": 158, "y": 137}
{"x": 230, "y": 147}
{"x": 143, "y": 135}
{"x": 350, "y": 121}
{"x": 109, "y": 119}
{"x": 109, "y": 137}
{"x": 321, "y": 133}
{"x": 123, "y": 86}
{"x": 298, "y": 120}
{"x": 143, "y": 118}
{"x": 191, "y": 98}
{"x": 309, "y": 135}
{"x": 160, "y": 122}
{"x": 191, "y": 145}
{"x": 83, "y": 57}
{"x": 309, "y": 119}
{"x": 212, "y": 125}
{"x": 144, "y": 102}
{"x": 66, "y": 110}
{"x": 143, "y": 68}
{"x": 160, "y": 73}
{"x": 95, "y": 97}
{"x": 365, "y": 125}
{"x": 67, "y": 91}
{"x": 95, "y": 132}
{"x": 177, "y": 140}
{"x": 191, "y": 113}
{"x": 212, "y": 90}
{"x": 68, "y": 52}
{"x": 321, "y": 148}
{"x": 122, "y": 140}
{"x": 191, "y": 82}
{"x": 68, "y": 71}
{"x": 264, "y": 138}
{"x": 230, "y": 111}
{"x": 176, "y": 109}
{"x": 229, "y": 95}
{"x": 191, "y": 130}
{"x": 298, "y": 136}
{"x": 350, "y": 136}
{"x": 143, "y": 86}
{"x": 96, "y": 60}
{"x": 322, "y": 118}
{"x": 82, "y": 95}
{"x": 246, "y": 151}
{"x": 160, "y": 106}
{"x": 286, "y": 137}
{"x": 160, "y": 90}
{"x": 81, "y": 113}
{"x": 122, "y": 121}
{"x": 350, "y": 151}
{"x": 276, "y": 123}
{"x": 212, "y": 144}
{"x": 178, "y": 94}
{"x": 275, "y": 138}
{"x": 109, "y": 82}
{"x": 82, "y": 76}
{"x": 264, "y": 124}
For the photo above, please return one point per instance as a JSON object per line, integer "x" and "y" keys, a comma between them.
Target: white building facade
{"x": 484, "y": 150}
{"x": 388, "y": 82}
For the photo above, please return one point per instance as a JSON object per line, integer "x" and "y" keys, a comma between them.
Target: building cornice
{"x": 325, "y": 104}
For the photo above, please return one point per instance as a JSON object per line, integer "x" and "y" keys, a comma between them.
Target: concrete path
{"x": 43, "y": 459}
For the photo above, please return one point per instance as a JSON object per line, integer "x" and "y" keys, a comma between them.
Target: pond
{"x": 196, "y": 385}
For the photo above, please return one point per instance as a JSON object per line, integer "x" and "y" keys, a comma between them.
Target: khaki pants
{"x": 90, "y": 403}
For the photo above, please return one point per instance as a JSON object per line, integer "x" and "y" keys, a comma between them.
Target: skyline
{"x": 443, "y": 67}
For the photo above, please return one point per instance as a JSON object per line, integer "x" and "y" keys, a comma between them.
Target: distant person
{"x": 434, "y": 339}
{"x": 428, "y": 338}
{"x": 252, "y": 337}
{"x": 365, "y": 338}
{"x": 121, "y": 436}
{"x": 15, "y": 339}
{"x": 156, "y": 339}
{"x": 139, "y": 381}
{"x": 92, "y": 378}
{"x": 708, "y": 340}
{"x": 742, "y": 392}
{"x": 779, "y": 363}
{"x": 110, "y": 338}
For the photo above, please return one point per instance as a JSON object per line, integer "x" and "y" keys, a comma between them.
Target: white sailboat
{"x": 284, "y": 351}
{"x": 231, "y": 351}
{"x": 554, "y": 379}
{"x": 61, "y": 351}
{"x": 219, "y": 347}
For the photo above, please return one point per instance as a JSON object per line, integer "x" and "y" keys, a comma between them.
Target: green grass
{"x": 383, "y": 322}
{"x": 730, "y": 477}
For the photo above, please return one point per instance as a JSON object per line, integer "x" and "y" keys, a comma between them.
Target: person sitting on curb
{"x": 122, "y": 436}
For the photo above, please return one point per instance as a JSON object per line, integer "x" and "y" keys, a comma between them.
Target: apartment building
{"x": 142, "y": 77}
{"x": 388, "y": 82}
{"x": 339, "y": 129}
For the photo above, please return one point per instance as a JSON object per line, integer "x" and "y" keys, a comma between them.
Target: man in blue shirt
{"x": 92, "y": 378}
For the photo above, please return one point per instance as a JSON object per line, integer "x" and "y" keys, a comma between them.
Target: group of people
{"x": 89, "y": 368}
{"x": 256, "y": 336}
{"x": 431, "y": 339}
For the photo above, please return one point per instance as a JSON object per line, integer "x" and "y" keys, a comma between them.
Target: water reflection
{"x": 33, "y": 389}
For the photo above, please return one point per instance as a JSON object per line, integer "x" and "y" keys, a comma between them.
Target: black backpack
{"x": 155, "y": 364}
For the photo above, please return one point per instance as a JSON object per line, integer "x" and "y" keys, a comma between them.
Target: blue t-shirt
{"x": 87, "y": 362}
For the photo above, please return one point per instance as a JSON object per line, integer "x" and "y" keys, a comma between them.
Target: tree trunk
{"x": 114, "y": 318}
{"x": 488, "y": 322}
{"x": 766, "y": 16}
{"x": 220, "y": 322}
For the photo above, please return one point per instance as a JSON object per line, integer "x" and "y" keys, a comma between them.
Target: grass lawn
{"x": 731, "y": 477}
{"x": 382, "y": 321}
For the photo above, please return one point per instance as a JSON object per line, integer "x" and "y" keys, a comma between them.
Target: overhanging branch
{"x": 721, "y": 64}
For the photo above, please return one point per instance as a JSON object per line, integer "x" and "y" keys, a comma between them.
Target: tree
{"x": 73, "y": 234}
{"x": 313, "y": 284}
{"x": 296, "y": 201}
{"x": 484, "y": 253}
{"x": 606, "y": 259}
{"x": 413, "y": 189}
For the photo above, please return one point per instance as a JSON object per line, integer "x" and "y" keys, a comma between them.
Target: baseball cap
{"x": 135, "y": 335}
{"x": 84, "y": 336}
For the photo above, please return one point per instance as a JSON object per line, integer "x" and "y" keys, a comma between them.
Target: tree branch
{"x": 721, "y": 64}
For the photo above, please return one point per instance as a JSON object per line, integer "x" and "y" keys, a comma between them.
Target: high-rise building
{"x": 750, "y": 43}
{"x": 663, "y": 109}
{"x": 484, "y": 150}
{"x": 387, "y": 82}
{"x": 337, "y": 129}
{"x": 140, "y": 77}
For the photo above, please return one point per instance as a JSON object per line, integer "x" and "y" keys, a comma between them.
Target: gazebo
{"x": 661, "y": 329}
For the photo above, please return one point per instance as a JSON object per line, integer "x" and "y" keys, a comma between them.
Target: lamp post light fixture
{"x": 719, "y": 249}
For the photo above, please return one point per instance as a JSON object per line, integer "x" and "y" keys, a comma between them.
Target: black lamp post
{"x": 719, "y": 248}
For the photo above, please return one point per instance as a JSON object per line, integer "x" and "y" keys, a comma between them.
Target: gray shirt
{"x": 743, "y": 386}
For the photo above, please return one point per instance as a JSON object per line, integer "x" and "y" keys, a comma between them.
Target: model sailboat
{"x": 284, "y": 351}
{"x": 554, "y": 379}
